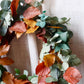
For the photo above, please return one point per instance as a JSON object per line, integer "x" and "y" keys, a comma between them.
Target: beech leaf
{"x": 49, "y": 60}
{"x": 42, "y": 70}
{"x": 6, "y": 61}
{"x": 4, "y": 49}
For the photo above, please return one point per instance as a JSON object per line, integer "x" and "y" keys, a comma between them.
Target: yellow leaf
{"x": 6, "y": 61}
{"x": 18, "y": 34}
{"x": 49, "y": 60}
{"x": 54, "y": 27}
{"x": 4, "y": 49}
{"x": 31, "y": 25}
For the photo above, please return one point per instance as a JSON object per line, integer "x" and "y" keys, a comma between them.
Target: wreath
{"x": 56, "y": 59}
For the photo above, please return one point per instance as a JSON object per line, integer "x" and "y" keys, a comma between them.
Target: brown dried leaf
{"x": 6, "y": 61}
{"x": 4, "y": 49}
{"x": 7, "y": 78}
{"x": 49, "y": 60}
{"x": 14, "y": 6}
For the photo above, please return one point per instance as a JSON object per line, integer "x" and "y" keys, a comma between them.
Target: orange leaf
{"x": 4, "y": 49}
{"x": 14, "y": 6}
{"x": 18, "y": 35}
{"x": 49, "y": 60}
{"x": 19, "y": 27}
{"x": 6, "y": 61}
{"x": 54, "y": 27}
{"x": 7, "y": 78}
{"x": 31, "y": 12}
{"x": 21, "y": 81}
{"x": 31, "y": 24}
{"x": 72, "y": 75}
{"x": 28, "y": 1}
{"x": 42, "y": 70}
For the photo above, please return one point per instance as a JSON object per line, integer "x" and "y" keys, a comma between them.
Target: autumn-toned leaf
{"x": 55, "y": 27}
{"x": 14, "y": 6}
{"x": 42, "y": 70}
{"x": 40, "y": 35}
{"x": 18, "y": 35}
{"x": 6, "y": 61}
{"x": 72, "y": 75}
{"x": 31, "y": 24}
{"x": 19, "y": 27}
{"x": 28, "y": 1}
{"x": 4, "y": 49}
{"x": 16, "y": 81}
{"x": 58, "y": 59}
{"x": 31, "y": 12}
{"x": 49, "y": 60}
{"x": 7, "y": 78}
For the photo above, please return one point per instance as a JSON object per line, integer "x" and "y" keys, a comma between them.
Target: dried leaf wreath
{"x": 56, "y": 59}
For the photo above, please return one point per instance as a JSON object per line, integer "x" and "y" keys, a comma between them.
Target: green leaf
{"x": 2, "y": 69}
{"x": 17, "y": 71}
{"x": 22, "y": 7}
{"x": 65, "y": 52}
{"x": 55, "y": 73}
{"x": 24, "y": 77}
{"x": 61, "y": 46}
{"x": 37, "y": 4}
{"x": 30, "y": 77}
{"x": 52, "y": 20}
{"x": 62, "y": 81}
{"x": 5, "y": 4}
{"x": 34, "y": 80}
{"x": 2, "y": 14}
{"x": 50, "y": 80}
{"x": 74, "y": 60}
{"x": 41, "y": 24}
{"x": 64, "y": 36}
{"x": 64, "y": 18}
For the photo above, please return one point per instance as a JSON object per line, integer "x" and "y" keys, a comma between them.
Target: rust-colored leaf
{"x": 42, "y": 70}
{"x": 4, "y": 49}
{"x": 40, "y": 35}
{"x": 7, "y": 78}
{"x": 72, "y": 75}
{"x": 19, "y": 27}
{"x": 49, "y": 60}
{"x": 31, "y": 25}
{"x": 28, "y": 1}
{"x": 6, "y": 61}
{"x": 31, "y": 12}
{"x": 16, "y": 81}
{"x": 14, "y": 6}
{"x": 55, "y": 27}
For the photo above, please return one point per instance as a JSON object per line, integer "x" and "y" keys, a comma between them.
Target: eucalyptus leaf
{"x": 5, "y": 4}
{"x": 74, "y": 60}
{"x": 24, "y": 77}
{"x": 50, "y": 80}
{"x": 62, "y": 81}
